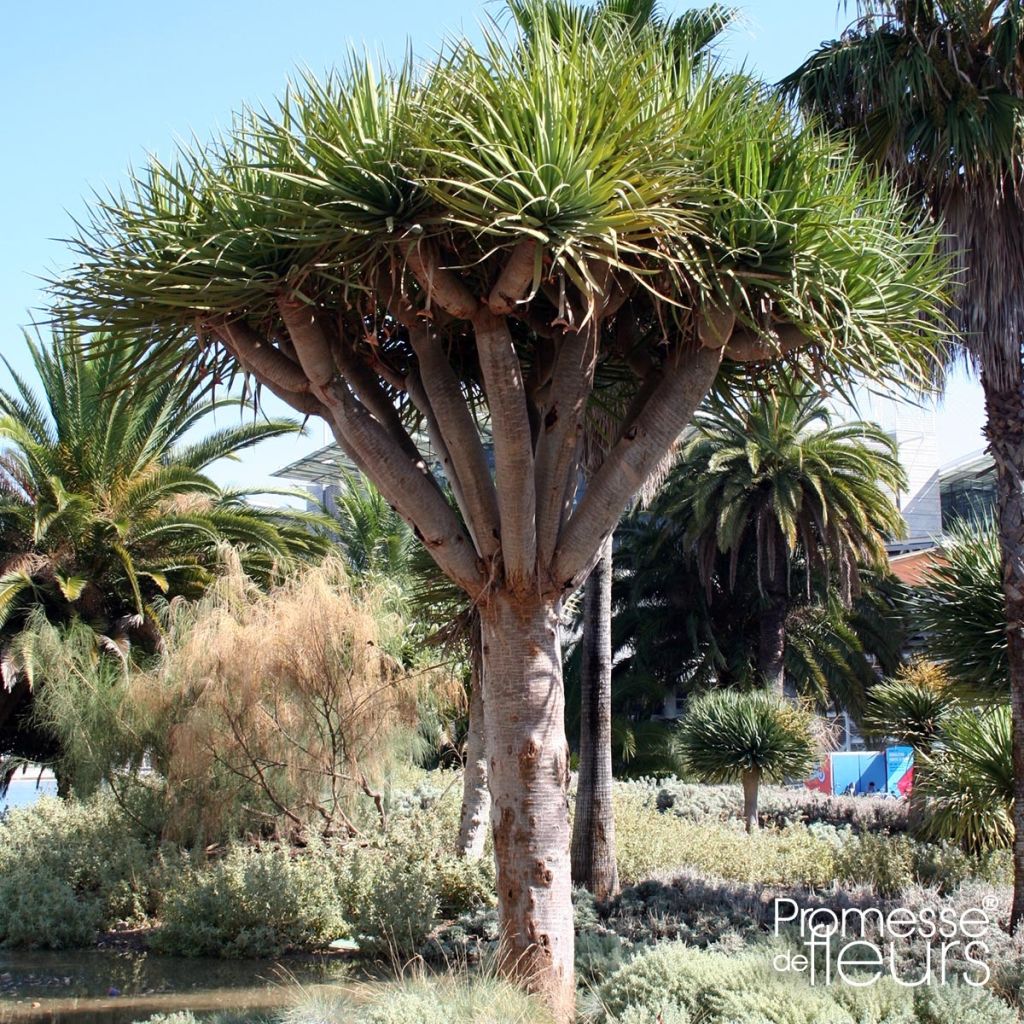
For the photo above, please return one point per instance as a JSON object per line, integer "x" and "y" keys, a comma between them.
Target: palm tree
{"x": 931, "y": 92}
{"x": 673, "y": 636}
{"x": 751, "y": 738}
{"x": 433, "y": 241}
{"x": 106, "y": 512}
{"x": 373, "y": 537}
{"x": 770, "y": 479}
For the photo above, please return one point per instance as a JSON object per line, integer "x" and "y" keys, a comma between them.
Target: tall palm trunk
{"x": 593, "y": 833}
{"x": 771, "y": 653}
{"x": 528, "y": 762}
{"x": 1004, "y": 429}
{"x": 476, "y": 796}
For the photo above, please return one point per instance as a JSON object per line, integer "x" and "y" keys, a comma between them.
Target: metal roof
{"x": 974, "y": 464}
{"x": 324, "y": 466}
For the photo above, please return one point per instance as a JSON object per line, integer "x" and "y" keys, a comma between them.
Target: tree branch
{"x": 407, "y": 486}
{"x": 513, "y": 452}
{"x": 311, "y": 344}
{"x": 438, "y": 283}
{"x": 633, "y": 458}
{"x": 418, "y": 397}
{"x": 260, "y": 357}
{"x": 367, "y": 386}
{"x": 254, "y": 354}
{"x": 745, "y": 346}
{"x": 455, "y": 423}
{"x": 561, "y": 428}
{"x": 515, "y": 278}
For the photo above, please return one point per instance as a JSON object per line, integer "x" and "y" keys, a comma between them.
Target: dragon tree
{"x": 500, "y": 233}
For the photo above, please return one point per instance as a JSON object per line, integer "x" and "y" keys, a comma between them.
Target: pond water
{"x": 26, "y": 788}
{"x": 98, "y": 987}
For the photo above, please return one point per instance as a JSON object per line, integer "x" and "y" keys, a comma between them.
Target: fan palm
{"x": 506, "y": 228}
{"x": 106, "y": 510}
{"x": 771, "y": 478}
{"x": 752, "y": 737}
{"x": 931, "y": 91}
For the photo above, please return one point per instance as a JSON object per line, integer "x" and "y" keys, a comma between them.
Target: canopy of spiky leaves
{"x": 912, "y": 706}
{"x": 611, "y": 151}
{"x": 933, "y": 92}
{"x": 772, "y": 474}
{"x": 725, "y": 734}
{"x": 105, "y": 505}
{"x": 968, "y": 781}
{"x": 959, "y": 606}
{"x": 672, "y": 634}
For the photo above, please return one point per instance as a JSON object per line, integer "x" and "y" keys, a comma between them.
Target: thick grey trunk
{"x": 593, "y": 833}
{"x": 528, "y": 767}
{"x": 751, "y": 784}
{"x": 1005, "y": 431}
{"x": 476, "y": 796}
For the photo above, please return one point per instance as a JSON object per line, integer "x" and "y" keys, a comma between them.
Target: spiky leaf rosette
{"x": 968, "y": 781}
{"x": 959, "y": 606}
{"x": 912, "y": 706}
{"x": 725, "y": 734}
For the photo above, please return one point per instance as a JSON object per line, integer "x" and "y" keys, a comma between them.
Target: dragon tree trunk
{"x": 528, "y": 763}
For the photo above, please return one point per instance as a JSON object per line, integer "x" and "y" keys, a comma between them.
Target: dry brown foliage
{"x": 281, "y": 711}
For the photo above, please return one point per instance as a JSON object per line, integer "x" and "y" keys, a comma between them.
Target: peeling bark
{"x": 593, "y": 831}
{"x": 528, "y": 765}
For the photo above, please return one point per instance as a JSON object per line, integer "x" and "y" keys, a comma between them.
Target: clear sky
{"x": 92, "y": 87}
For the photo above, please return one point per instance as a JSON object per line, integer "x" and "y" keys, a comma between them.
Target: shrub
{"x": 886, "y": 863}
{"x": 649, "y": 843}
{"x": 274, "y": 709}
{"x": 451, "y": 998}
{"x": 69, "y": 869}
{"x": 962, "y": 1004}
{"x": 714, "y": 988}
{"x": 392, "y": 906}
{"x": 675, "y": 982}
{"x": 254, "y": 902}
{"x": 398, "y": 883}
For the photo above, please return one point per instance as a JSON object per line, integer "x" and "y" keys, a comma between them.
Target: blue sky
{"x": 92, "y": 87}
